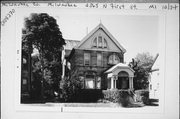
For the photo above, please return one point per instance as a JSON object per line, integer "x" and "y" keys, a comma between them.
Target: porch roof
{"x": 120, "y": 67}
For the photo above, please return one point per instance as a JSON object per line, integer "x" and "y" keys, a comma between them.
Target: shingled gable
{"x": 100, "y": 26}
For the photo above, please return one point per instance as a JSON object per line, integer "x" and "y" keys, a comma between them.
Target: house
{"x": 99, "y": 60}
{"x": 154, "y": 79}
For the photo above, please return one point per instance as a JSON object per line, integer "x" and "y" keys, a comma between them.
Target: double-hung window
{"x": 99, "y": 59}
{"x": 87, "y": 59}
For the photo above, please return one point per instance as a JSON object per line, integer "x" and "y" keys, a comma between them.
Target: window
{"x": 95, "y": 42}
{"x": 114, "y": 59}
{"x": 24, "y": 81}
{"x": 89, "y": 84}
{"x": 87, "y": 59}
{"x": 94, "y": 60}
{"x": 105, "y": 43}
{"x": 99, "y": 59}
{"x": 99, "y": 42}
{"x": 24, "y": 61}
{"x": 111, "y": 59}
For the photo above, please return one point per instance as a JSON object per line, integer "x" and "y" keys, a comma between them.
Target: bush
{"x": 124, "y": 97}
{"x": 115, "y": 95}
{"x": 70, "y": 89}
{"x": 142, "y": 96}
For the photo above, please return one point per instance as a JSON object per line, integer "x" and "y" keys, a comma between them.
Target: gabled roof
{"x": 121, "y": 65}
{"x": 155, "y": 66}
{"x": 70, "y": 44}
{"x": 101, "y": 26}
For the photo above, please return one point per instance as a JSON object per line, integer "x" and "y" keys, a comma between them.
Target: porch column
{"x": 112, "y": 83}
{"x": 115, "y": 81}
{"x": 130, "y": 82}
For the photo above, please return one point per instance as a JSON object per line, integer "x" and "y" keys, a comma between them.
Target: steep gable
{"x": 100, "y": 30}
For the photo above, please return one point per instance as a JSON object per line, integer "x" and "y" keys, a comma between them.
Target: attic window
{"x": 95, "y": 42}
{"x": 99, "y": 42}
{"x": 105, "y": 43}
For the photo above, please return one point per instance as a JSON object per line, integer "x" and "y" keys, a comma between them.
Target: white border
{"x": 14, "y": 106}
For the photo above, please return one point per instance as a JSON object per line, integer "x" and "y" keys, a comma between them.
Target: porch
{"x": 120, "y": 76}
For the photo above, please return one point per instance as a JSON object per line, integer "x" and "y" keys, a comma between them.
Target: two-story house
{"x": 98, "y": 59}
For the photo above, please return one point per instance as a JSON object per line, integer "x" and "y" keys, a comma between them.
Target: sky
{"x": 136, "y": 33}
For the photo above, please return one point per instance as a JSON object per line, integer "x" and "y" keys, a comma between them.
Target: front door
{"x": 122, "y": 83}
{"x": 123, "y": 80}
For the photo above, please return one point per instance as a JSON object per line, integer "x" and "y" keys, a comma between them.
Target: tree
{"x": 145, "y": 60}
{"x": 41, "y": 32}
{"x": 141, "y": 64}
{"x": 71, "y": 85}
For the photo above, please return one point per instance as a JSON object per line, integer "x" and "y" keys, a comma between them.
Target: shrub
{"x": 124, "y": 97}
{"x": 70, "y": 89}
{"x": 142, "y": 96}
{"x": 115, "y": 95}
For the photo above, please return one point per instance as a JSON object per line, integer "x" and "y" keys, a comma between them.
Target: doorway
{"x": 123, "y": 80}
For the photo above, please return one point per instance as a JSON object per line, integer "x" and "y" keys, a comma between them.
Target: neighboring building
{"x": 154, "y": 79}
{"x": 98, "y": 59}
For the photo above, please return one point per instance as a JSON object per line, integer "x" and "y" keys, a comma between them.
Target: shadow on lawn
{"x": 153, "y": 102}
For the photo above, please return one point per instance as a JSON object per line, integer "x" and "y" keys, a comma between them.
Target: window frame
{"x": 96, "y": 43}
{"x": 89, "y": 59}
{"x": 86, "y": 82}
{"x": 114, "y": 56}
{"x": 99, "y": 61}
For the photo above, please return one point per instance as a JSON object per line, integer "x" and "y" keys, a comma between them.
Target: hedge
{"x": 114, "y": 95}
{"x": 87, "y": 96}
{"x": 123, "y": 97}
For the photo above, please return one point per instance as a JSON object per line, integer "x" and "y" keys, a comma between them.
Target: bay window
{"x": 113, "y": 59}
